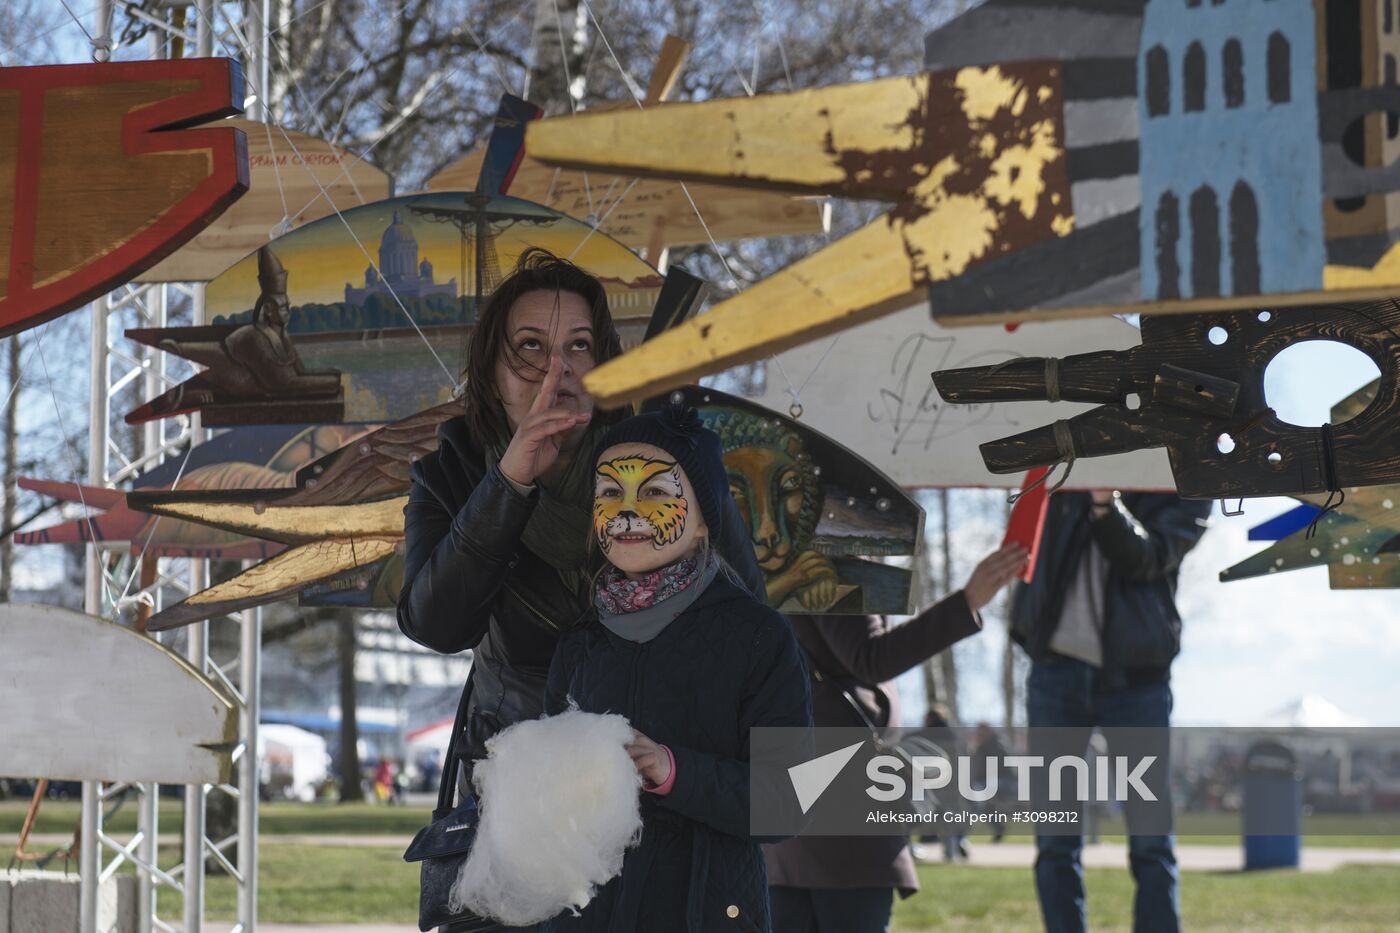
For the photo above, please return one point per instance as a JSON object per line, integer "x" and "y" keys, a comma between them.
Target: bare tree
{"x": 947, "y": 660}
{"x": 348, "y": 761}
{"x": 10, "y": 430}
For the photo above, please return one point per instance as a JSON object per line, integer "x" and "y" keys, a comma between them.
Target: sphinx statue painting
{"x": 252, "y": 368}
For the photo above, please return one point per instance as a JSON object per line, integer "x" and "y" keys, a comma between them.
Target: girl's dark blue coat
{"x": 726, "y": 665}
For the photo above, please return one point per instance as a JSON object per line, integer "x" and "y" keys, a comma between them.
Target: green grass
{"x": 1354, "y": 899}
{"x": 326, "y": 884}
{"x": 334, "y": 884}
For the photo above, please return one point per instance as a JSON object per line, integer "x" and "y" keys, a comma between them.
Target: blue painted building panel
{"x": 1271, "y": 147}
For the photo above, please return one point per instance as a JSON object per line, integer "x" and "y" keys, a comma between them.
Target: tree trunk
{"x": 348, "y": 761}
{"x": 948, "y": 660}
{"x": 931, "y": 686}
{"x": 560, "y": 41}
{"x": 10, "y": 492}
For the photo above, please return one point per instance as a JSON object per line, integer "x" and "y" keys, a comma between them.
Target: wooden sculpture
{"x": 814, "y": 510}
{"x": 87, "y": 700}
{"x": 1147, "y": 157}
{"x": 334, "y": 335}
{"x": 100, "y": 179}
{"x": 1196, "y": 386}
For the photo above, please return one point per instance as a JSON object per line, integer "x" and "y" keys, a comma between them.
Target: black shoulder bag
{"x": 443, "y": 845}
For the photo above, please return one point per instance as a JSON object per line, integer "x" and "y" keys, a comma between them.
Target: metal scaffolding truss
{"x": 121, "y": 584}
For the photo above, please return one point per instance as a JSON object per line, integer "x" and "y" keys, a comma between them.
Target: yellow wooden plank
{"x": 730, "y": 213}
{"x": 788, "y": 141}
{"x": 986, "y": 182}
{"x": 301, "y": 566}
{"x": 295, "y": 522}
{"x": 855, "y": 279}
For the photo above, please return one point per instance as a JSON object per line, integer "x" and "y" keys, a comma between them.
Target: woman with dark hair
{"x": 499, "y": 517}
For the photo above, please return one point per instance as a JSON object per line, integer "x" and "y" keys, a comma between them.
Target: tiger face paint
{"x": 644, "y": 511}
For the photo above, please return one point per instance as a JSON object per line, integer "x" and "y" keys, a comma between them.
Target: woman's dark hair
{"x": 537, "y": 270}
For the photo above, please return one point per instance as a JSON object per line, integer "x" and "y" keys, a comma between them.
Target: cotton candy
{"x": 559, "y": 809}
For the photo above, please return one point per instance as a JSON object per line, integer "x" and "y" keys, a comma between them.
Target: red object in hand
{"x": 1028, "y": 518}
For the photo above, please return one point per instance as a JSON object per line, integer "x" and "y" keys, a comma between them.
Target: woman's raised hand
{"x": 994, "y": 572}
{"x": 534, "y": 447}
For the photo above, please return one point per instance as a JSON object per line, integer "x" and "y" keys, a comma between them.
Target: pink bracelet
{"x": 664, "y": 789}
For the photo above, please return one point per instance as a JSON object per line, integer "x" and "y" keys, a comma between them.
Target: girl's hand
{"x": 650, "y": 760}
{"x": 534, "y": 447}
{"x": 994, "y": 572}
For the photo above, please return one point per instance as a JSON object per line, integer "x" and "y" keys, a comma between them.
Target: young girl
{"x": 694, "y": 662}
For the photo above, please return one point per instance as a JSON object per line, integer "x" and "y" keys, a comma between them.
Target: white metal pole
{"x": 255, "y": 28}
{"x": 250, "y": 681}
{"x": 89, "y": 850}
{"x": 197, "y": 654}
{"x": 204, "y": 28}
{"x": 102, "y": 34}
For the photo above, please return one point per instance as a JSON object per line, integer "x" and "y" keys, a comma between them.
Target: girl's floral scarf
{"x": 639, "y": 610}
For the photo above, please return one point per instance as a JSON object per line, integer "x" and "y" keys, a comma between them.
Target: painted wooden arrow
{"x": 971, "y": 159}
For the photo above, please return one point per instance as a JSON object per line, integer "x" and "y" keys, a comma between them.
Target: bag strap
{"x": 448, "y": 782}
{"x": 847, "y": 686}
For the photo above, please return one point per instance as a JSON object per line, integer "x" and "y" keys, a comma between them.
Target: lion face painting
{"x": 641, "y": 508}
{"x": 775, "y": 485}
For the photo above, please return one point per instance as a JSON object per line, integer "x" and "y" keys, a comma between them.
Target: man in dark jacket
{"x": 1100, "y": 624}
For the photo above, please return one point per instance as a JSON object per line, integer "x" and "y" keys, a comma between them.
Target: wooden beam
{"x": 674, "y": 51}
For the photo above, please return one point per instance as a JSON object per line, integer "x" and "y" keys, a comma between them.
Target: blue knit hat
{"x": 677, "y": 429}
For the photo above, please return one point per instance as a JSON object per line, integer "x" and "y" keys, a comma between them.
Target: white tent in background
{"x": 293, "y": 762}
{"x": 1310, "y": 712}
{"x": 429, "y": 740}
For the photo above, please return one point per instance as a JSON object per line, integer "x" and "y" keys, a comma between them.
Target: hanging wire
{"x": 150, "y": 536}
{"x": 74, "y": 17}
{"x": 68, "y": 445}
{"x": 593, "y": 228}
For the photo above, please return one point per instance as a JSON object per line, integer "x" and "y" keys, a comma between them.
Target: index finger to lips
{"x": 548, "y": 387}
